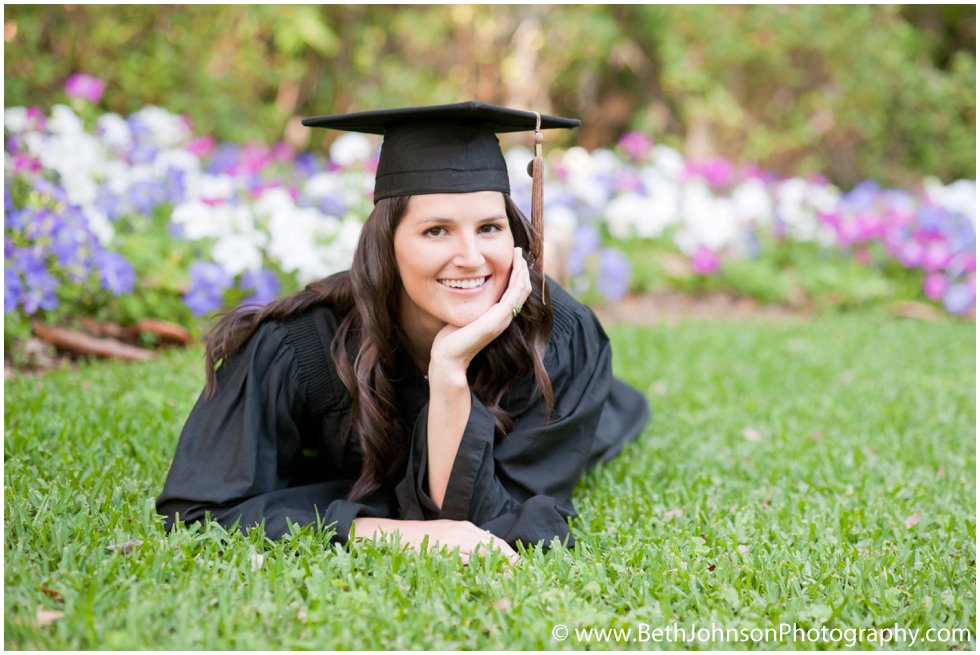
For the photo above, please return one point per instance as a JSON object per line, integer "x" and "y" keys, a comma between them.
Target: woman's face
{"x": 454, "y": 253}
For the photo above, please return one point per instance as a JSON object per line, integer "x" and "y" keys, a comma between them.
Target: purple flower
{"x": 935, "y": 286}
{"x": 224, "y": 160}
{"x": 263, "y": 283}
{"x": 84, "y": 86}
{"x": 146, "y": 195}
{"x": 587, "y": 241}
{"x": 109, "y": 203}
{"x": 862, "y": 197}
{"x": 332, "y": 206}
{"x": 13, "y": 289}
{"x": 208, "y": 285}
{"x": 306, "y": 165}
{"x": 705, "y": 261}
{"x": 930, "y": 220}
{"x": 959, "y": 298}
{"x": 116, "y": 274}
{"x": 40, "y": 285}
{"x": 613, "y": 275}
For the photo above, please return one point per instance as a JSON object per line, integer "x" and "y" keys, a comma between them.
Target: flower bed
{"x": 123, "y": 218}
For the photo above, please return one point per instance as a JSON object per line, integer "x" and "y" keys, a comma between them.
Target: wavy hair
{"x": 365, "y": 301}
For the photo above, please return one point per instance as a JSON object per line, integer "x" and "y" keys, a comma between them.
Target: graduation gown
{"x": 271, "y": 444}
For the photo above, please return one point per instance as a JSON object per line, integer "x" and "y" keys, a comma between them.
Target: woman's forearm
{"x": 449, "y": 411}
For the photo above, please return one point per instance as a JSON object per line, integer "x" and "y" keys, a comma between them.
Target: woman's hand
{"x": 442, "y": 532}
{"x": 455, "y": 347}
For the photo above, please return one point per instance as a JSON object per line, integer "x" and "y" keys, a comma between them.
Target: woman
{"x": 440, "y": 388}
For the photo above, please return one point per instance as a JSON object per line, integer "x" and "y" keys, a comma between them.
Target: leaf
{"x": 673, "y": 513}
{"x": 126, "y": 547}
{"x": 47, "y": 617}
{"x": 912, "y": 520}
{"x": 752, "y": 434}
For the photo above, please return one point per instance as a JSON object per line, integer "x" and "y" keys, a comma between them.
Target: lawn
{"x": 795, "y": 476}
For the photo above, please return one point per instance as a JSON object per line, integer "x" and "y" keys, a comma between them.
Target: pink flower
{"x": 202, "y": 146}
{"x": 718, "y": 172}
{"x": 84, "y": 86}
{"x": 936, "y": 256}
{"x": 935, "y": 286}
{"x": 636, "y": 145}
{"x": 705, "y": 261}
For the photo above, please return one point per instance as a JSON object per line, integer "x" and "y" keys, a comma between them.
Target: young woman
{"x": 440, "y": 388}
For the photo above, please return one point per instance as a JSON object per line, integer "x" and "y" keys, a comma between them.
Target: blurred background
{"x": 815, "y": 157}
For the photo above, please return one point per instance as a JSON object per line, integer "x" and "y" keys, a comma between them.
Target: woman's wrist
{"x": 451, "y": 374}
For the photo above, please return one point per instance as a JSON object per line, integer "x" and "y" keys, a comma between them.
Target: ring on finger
{"x": 517, "y": 310}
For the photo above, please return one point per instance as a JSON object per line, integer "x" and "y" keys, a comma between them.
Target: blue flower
{"x": 13, "y": 289}
{"x": 109, "y": 203}
{"x": 208, "y": 285}
{"x": 116, "y": 274}
{"x": 264, "y": 283}
{"x": 174, "y": 186}
{"x": 958, "y": 299}
{"x": 614, "y": 274}
{"x": 146, "y": 195}
{"x": 587, "y": 241}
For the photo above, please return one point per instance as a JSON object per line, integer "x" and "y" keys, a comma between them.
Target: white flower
{"x": 958, "y": 197}
{"x": 669, "y": 161}
{"x": 164, "y": 129}
{"x": 15, "y": 119}
{"x": 65, "y": 121}
{"x": 212, "y": 187}
{"x": 351, "y": 149}
{"x": 99, "y": 224}
{"x": 707, "y": 220}
{"x": 114, "y": 131}
{"x": 236, "y": 254}
{"x": 198, "y": 220}
{"x": 623, "y": 213}
{"x": 560, "y": 217}
{"x": 753, "y": 203}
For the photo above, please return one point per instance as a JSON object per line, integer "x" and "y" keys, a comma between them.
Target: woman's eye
{"x": 490, "y": 227}
{"x": 437, "y": 231}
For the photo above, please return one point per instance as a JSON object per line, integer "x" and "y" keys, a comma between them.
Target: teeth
{"x": 464, "y": 284}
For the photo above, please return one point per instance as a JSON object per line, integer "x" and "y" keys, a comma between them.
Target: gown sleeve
{"x": 240, "y": 457}
{"x": 520, "y": 488}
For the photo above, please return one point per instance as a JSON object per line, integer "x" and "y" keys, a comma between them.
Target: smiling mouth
{"x": 467, "y": 283}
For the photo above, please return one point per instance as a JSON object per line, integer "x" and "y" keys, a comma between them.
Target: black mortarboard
{"x": 451, "y": 149}
{"x": 440, "y": 148}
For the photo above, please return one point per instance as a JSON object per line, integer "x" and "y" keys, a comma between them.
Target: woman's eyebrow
{"x": 447, "y": 221}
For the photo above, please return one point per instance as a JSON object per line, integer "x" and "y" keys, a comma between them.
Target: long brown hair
{"x": 365, "y": 301}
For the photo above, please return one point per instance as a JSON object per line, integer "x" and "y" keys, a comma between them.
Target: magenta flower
{"x": 202, "y": 146}
{"x": 705, "y": 261}
{"x": 636, "y": 144}
{"x": 717, "y": 172}
{"x": 936, "y": 256}
{"x": 84, "y": 86}
{"x": 935, "y": 286}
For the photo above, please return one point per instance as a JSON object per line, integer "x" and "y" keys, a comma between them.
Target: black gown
{"x": 270, "y": 444}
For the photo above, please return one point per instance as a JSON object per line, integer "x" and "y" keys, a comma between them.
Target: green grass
{"x": 815, "y": 473}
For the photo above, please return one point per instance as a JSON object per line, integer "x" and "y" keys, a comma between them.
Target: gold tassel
{"x": 537, "y": 203}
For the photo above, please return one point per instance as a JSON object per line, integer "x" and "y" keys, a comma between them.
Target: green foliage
{"x": 852, "y": 92}
{"x": 820, "y": 473}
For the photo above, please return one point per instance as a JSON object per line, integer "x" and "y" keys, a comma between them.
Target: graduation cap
{"x": 449, "y": 149}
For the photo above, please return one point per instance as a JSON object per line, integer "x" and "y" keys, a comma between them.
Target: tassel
{"x": 537, "y": 203}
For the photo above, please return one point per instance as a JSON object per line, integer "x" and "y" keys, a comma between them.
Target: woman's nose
{"x": 468, "y": 253}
